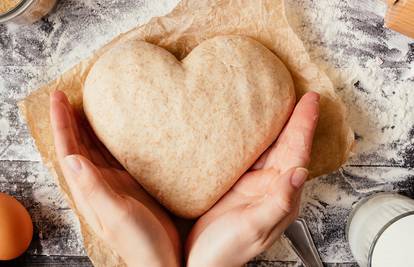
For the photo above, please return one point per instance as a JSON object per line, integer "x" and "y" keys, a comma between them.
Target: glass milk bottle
{"x": 380, "y": 231}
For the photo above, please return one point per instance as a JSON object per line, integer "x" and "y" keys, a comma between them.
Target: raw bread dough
{"x": 7, "y": 5}
{"x": 189, "y": 24}
{"x": 188, "y": 130}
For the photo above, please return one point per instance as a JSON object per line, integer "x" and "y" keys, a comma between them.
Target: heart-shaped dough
{"x": 188, "y": 130}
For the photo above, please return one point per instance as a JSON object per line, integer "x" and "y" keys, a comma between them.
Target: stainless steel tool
{"x": 300, "y": 239}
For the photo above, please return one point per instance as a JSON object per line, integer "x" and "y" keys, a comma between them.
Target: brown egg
{"x": 16, "y": 228}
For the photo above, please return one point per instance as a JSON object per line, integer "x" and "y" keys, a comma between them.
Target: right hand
{"x": 263, "y": 203}
{"x": 113, "y": 204}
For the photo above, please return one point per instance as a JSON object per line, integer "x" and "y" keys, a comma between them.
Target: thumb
{"x": 281, "y": 201}
{"x": 93, "y": 197}
{"x": 288, "y": 188}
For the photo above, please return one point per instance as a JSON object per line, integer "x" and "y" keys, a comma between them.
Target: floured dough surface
{"x": 188, "y": 130}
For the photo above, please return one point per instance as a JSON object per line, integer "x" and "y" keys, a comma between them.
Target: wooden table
{"x": 371, "y": 67}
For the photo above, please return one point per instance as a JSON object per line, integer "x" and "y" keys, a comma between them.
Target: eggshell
{"x": 16, "y": 228}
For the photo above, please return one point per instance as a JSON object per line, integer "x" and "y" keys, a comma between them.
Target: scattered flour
{"x": 42, "y": 58}
{"x": 4, "y": 128}
{"x": 372, "y": 72}
{"x": 381, "y": 111}
{"x": 369, "y": 67}
{"x": 64, "y": 49}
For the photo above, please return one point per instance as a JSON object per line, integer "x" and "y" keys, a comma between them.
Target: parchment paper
{"x": 191, "y": 22}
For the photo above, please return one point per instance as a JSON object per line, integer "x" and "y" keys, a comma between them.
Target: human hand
{"x": 263, "y": 203}
{"x": 113, "y": 204}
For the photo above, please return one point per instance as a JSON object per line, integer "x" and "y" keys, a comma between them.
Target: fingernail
{"x": 299, "y": 177}
{"x": 316, "y": 96}
{"x": 56, "y": 96}
{"x": 74, "y": 164}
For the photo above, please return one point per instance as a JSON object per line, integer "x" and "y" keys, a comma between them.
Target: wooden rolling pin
{"x": 400, "y": 16}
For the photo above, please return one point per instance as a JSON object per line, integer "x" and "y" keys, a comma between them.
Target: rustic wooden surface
{"x": 32, "y": 55}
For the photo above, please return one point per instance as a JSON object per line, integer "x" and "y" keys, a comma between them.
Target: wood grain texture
{"x": 400, "y": 17}
{"x": 33, "y": 55}
{"x": 48, "y": 261}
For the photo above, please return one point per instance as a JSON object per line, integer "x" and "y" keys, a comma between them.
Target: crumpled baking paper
{"x": 191, "y": 22}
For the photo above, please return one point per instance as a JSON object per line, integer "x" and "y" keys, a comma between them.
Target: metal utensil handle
{"x": 300, "y": 239}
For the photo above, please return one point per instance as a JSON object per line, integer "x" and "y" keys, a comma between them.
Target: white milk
{"x": 380, "y": 231}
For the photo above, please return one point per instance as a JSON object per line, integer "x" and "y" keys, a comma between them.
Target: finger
{"x": 110, "y": 159}
{"x": 85, "y": 135}
{"x": 63, "y": 134}
{"x": 87, "y": 147}
{"x": 61, "y": 97}
{"x": 105, "y": 211}
{"x": 252, "y": 186}
{"x": 255, "y": 183}
{"x": 259, "y": 164}
{"x": 91, "y": 193}
{"x": 98, "y": 152}
{"x": 121, "y": 182}
{"x": 89, "y": 150}
{"x": 294, "y": 145}
{"x": 100, "y": 147}
{"x": 280, "y": 202}
{"x": 92, "y": 152}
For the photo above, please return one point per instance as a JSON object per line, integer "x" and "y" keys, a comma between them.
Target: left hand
{"x": 113, "y": 204}
{"x": 263, "y": 203}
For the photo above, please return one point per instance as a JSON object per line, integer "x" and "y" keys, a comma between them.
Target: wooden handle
{"x": 391, "y": 2}
{"x": 400, "y": 16}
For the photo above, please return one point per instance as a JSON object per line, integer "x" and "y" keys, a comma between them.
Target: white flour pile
{"x": 369, "y": 66}
{"x": 346, "y": 39}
